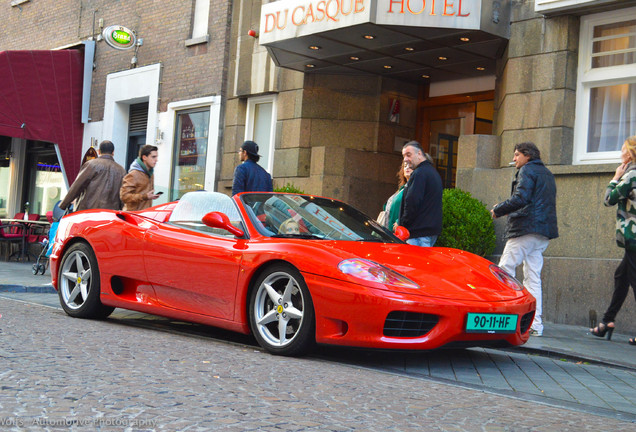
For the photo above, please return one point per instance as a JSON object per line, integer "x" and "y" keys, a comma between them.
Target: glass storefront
{"x": 5, "y": 171}
{"x": 48, "y": 188}
{"x": 191, "y": 150}
{"x": 46, "y": 184}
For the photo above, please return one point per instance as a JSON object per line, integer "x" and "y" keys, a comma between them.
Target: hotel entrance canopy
{"x": 413, "y": 40}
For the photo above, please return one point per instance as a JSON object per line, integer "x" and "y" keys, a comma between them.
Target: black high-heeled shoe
{"x": 632, "y": 341}
{"x": 602, "y": 329}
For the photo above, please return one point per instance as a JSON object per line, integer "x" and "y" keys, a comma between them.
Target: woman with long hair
{"x": 391, "y": 211}
{"x": 622, "y": 192}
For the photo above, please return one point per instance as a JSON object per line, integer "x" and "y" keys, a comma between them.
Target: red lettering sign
{"x": 401, "y": 2}
{"x": 408, "y": 6}
{"x": 459, "y": 10}
{"x": 413, "y": 7}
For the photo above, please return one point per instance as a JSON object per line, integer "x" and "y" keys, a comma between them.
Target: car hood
{"x": 440, "y": 272}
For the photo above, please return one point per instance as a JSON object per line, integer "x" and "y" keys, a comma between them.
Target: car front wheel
{"x": 281, "y": 312}
{"x": 79, "y": 284}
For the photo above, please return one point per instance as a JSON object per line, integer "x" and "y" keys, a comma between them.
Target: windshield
{"x": 194, "y": 205}
{"x": 303, "y": 216}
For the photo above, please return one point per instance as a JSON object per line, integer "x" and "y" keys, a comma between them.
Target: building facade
{"x": 469, "y": 80}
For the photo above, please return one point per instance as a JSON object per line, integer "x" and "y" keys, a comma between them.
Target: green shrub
{"x": 467, "y": 224}
{"x": 288, "y": 188}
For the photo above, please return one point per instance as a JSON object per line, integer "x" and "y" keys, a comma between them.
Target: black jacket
{"x": 421, "y": 211}
{"x": 532, "y": 207}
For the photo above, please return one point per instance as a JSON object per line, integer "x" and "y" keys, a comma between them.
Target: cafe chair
{"x": 10, "y": 234}
{"x": 37, "y": 233}
{"x": 13, "y": 227}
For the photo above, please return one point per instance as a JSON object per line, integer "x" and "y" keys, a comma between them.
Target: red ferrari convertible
{"x": 291, "y": 269}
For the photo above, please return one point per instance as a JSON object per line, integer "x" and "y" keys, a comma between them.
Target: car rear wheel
{"x": 79, "y": 284}
{"x": 281, "y": 311}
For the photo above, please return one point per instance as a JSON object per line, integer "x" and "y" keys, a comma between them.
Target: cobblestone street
{"x": 58, "y": 372}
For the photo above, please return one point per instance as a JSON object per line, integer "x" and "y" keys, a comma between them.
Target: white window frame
{"x": 266, "y": 162}
{"x": 546, "y": 6}
{"x": 213, "y": 103}
{"x": 589, "y": 78}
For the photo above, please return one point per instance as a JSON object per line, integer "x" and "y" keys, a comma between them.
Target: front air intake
{"x": 409, "y": 324}
{"x": 526, "y": 322}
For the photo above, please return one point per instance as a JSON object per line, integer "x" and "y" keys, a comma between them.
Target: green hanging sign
{"x": 119, "y": 37}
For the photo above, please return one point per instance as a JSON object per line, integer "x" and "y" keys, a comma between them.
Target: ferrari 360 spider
{"x": 292, "y": 270}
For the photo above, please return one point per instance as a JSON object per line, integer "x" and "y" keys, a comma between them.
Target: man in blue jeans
{"x": 421, "y": 211}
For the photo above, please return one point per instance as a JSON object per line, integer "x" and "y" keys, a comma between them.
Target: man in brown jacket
{"x": 98, "y": 182}
{"x": 138, "y": 190}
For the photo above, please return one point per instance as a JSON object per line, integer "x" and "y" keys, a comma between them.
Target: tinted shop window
{"x": 190, "y": 153}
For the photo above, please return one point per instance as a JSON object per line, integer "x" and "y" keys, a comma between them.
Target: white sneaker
{"x": 537, "y": 333}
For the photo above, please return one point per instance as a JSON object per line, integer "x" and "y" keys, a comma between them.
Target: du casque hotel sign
{"x": 292, "y": 18}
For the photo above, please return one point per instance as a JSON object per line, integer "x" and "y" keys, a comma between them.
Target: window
{"x": 261, "y": 127}
{"x": 606, "y": 88}
{"x": 200, "y": 18}
{"x": 191, "y": 141}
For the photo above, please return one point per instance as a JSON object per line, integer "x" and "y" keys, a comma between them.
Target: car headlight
{"x": 506, "y": 278}
{"x": 374, "y": 272}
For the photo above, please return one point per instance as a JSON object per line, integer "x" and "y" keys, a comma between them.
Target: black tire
{"x": 34, "y": 269}
{"x": 281, "y": 300}
{"x": 79, "y": 285}
{"x": 42, "y": 268}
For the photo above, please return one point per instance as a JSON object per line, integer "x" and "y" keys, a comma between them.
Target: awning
{"x": 41, "y": 99}
{"x": 410, "y": 40}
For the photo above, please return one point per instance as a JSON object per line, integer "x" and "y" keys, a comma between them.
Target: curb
{"x": 557, "y": 354}
{"x": 43, "y": 289}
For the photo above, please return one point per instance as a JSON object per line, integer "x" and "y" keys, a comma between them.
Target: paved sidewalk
{"x": 559, "y": 340}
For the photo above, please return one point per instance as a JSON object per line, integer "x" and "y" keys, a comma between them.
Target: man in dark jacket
{"x": 249, "y": 176}
{"x": 98, "y": 182}
{"x": 421, "y": 210}
{"x": 532, "y": 222}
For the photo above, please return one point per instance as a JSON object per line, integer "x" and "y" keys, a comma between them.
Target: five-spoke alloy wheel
{"x": 79, "y": 285}
{"x": 281, "y": 311}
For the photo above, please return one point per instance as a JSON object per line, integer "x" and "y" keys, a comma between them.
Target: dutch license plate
{"x": 491, "y": 323}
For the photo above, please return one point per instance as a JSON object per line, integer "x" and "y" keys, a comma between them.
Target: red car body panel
{"x": 150, "y": 266}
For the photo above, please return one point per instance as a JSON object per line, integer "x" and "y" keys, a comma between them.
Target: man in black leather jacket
{"x": 532, "y": 222}
{"x": 421, "y": 209}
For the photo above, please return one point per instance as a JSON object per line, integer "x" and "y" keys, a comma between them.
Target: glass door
{"x": 191, "y": 151}
{"x": 443, "y": 120}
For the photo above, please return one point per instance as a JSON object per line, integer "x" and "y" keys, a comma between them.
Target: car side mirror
{"x": 401, "y": 233}
{"x": 220, "y": 220}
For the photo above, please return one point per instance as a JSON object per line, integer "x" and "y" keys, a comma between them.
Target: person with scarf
{"x": 621, "y": 191}
{"x": 138, "y": 190}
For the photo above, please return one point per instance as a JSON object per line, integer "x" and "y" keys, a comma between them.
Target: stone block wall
{"x": 536, "y": 85}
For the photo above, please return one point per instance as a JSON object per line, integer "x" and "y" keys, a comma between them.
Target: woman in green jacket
{"x": 622, "y": 191}
{"x": 393, "y": 204}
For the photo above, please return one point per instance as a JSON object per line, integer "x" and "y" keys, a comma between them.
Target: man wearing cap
{"x": 250, "y": 176}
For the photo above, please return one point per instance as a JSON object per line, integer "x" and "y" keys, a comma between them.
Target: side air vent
{"x": 409, "y": 324}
